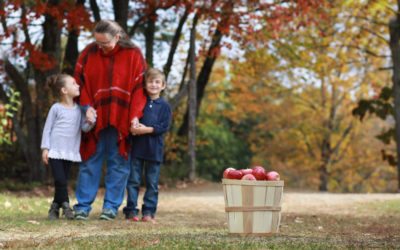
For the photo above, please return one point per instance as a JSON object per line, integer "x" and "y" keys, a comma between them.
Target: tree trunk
{"x": 203, "y": 78}
{"x": 149, "y": 36}
{"x": 71, "y": 51}
{"x": 208, "y": 64}
{"x": 394, "y": 27}
{"x": 192, "y": 102}
{"x": 51, "y": 45}
{"x": 175, "y": 41}
{"x": 121, "y": 13}
{"x": 22, "y": 87}
{"x": 95, "y": 9}
{"x": 323, "y": 170}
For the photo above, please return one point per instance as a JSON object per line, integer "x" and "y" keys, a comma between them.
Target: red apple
{"x": 272, "y": 176}
{"x": 246, "y": 171}
{"x": 258, "y": 167}
{"x": 226, "y": 171}
{"x": 249, "y": 177}
{"x": 259, "y": 173}
{"x": 235, "y": 174}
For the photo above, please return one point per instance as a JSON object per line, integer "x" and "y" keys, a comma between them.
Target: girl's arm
{"x": 85, "y": 99}
{"x": 48, "y": 126}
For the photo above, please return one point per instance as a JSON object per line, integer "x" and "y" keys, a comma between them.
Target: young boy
{"x": 147, "y": 149}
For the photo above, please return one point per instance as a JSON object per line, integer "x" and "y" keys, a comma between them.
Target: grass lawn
{"x": 195, "y": 219}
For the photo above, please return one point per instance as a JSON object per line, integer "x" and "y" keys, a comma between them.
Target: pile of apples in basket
{"x": 256, "y": 173}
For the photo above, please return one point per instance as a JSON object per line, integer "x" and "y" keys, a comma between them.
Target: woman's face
{"x": 105, "y": 41}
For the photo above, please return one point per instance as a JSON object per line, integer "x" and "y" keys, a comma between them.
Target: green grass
{"x": 23, "y": 224}
{"x": 206, "y": 240}
{"x": 385, "y": 207}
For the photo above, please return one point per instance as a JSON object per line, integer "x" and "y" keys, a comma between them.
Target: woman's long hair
{"x": 113, "y": 28}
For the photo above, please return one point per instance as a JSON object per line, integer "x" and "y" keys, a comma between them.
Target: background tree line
{"x": 277, "y": 84}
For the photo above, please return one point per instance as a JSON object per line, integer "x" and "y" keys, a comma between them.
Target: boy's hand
{"x": 45, "y": 156}
{"x": 136, "y": 130}
{"x": 141, "y": 130}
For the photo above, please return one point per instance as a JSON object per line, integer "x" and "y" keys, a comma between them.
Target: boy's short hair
{"x": 153, "y": 72}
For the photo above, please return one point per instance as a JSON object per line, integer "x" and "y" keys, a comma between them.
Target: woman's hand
{"x": 45, "y": 156}
{"x": 134, "y": 126}
{"x": 135, "y": 122}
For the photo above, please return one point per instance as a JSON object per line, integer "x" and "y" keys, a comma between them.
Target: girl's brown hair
{"x": 56, "y": 83}
{"x": 113, "y": 28}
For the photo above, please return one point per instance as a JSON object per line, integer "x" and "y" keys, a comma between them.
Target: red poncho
{"x": 112, "y": 84}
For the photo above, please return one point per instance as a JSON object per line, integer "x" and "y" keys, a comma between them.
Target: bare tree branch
{"x": 307, "y": 103}
{"x": 143, "y": 17}
{"x": 346, "y": 132}
{"x": 369, "y": 20}
{"x": 24, "y": 26}
{"x": 183, "y": 87}
{"x": 369, "y": 52}
{"x": 174, "y": 102}
{"x": 175, "y": 41}
{"x": 3, "y": 20}
{"x": 308, "y": 144}
{"x": 385, "y": 68}
{"x": 136, "y": 25}
{"x": 375, "y": 34}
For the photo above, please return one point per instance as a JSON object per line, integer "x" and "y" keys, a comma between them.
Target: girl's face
{"x": 71, "y": 88}
{"x": 154, "y": 86}
{"x": 105, "y": 41}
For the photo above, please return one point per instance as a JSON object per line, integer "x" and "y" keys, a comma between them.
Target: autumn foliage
{"x": 277, "y": 82}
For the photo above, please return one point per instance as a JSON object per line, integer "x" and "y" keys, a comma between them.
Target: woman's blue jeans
{"x": 150, "y": 199}
{"x": 90, "y": 174}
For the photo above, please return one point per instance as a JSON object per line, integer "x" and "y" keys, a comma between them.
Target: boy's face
{"x": 154, "y": 86}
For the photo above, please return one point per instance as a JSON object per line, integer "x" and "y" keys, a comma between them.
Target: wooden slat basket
{"x": 253, "y": 207}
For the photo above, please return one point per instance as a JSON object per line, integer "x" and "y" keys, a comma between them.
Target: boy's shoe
{"x": 148, "y": 218}
{"x": 107, "y": 214}
{"x": 131, "y": 216}
{"x": 67, "y": 211}
{"x": 81, "y": 215}
{"x": 54, "y": 211}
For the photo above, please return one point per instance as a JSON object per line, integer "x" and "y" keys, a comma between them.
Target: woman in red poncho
{"x": 110, "y": 74}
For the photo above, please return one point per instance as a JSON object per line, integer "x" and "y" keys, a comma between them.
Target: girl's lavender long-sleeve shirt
{"x": 62, "y": 132}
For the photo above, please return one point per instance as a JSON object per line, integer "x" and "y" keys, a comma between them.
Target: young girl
{"x": 61, "y": 139}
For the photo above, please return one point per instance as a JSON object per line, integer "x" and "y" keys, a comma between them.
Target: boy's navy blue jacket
{"x": 156, "y": 114}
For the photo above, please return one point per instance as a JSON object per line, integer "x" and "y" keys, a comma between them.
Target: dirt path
{"x": 198, "y": 201}
{"x": 211, "y": 198}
